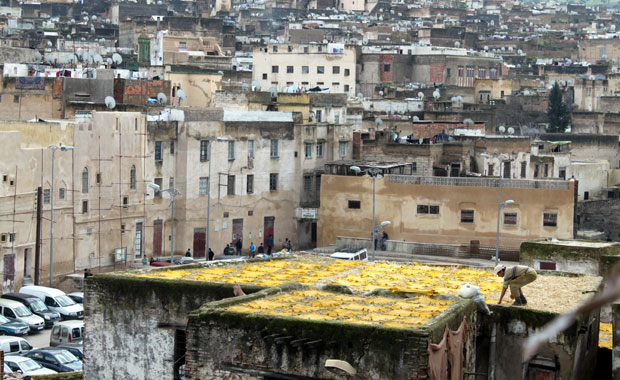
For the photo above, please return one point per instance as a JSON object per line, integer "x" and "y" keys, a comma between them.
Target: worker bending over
{"x": 515, "y": 277}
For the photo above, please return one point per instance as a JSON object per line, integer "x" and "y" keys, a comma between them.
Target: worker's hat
{"x": 499, "y": 268}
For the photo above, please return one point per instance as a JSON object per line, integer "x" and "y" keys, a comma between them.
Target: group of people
{"x": 382, "y": 241}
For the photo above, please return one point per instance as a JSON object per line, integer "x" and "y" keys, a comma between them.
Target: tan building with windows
{"x": 297, "y": 67}
{"x": 446, "y": 210}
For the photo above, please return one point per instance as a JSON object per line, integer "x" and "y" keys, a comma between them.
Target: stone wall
{"x": 228, "y": 345}
{"x": 602, "y": 215}
{"x": 131, "y": 323}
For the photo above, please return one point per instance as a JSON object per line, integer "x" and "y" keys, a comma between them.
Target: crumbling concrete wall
{"x": 131, "y": 323}
{"x": 223, "y": 344}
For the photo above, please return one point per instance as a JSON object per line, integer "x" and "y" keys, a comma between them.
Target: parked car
{"x": 36, "y": 306}
{"x": 67, "y": 332}
{"x": 76, "y": 349}
{"x": 58, "y": 360}
{"x": 12, "y": 345}
{"x": 13, "y": 327}
{"x": 351, "y": 254}
{"x": 56, "y": 300}
{"x": 26, "y": 366}
{"x": 78, "y": 297}
{"x": 18, "y": 311}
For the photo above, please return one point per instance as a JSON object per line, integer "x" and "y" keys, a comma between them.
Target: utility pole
{"x": 37, "y": 248}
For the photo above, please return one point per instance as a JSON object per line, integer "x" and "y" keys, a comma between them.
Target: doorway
{"x": 8, "y": 285}
{"x": 28, "y": 263}
{"x": 269, "y": 223}
{"x": 157, "y": 232}
{"x": 200, "y": 239}
{"x": 237, "y": 232}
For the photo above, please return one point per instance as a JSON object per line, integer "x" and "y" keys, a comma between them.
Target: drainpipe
{"x": 491, "y": 370}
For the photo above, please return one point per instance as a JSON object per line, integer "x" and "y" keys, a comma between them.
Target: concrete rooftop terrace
{"x": 553, "y": 292}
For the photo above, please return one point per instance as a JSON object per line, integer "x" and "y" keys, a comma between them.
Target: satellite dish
{"x": 436, "y": 94}
{"x": 255, "y": 85}
{"x": 421, "y": 95}
{"x": 468, "y": 122}
{"x": 501, "y": 129}
{"x": 459, "y": 99}
{"x": 416, "y": 118}
{"x": 37, "y": 56}
{"x": 360, "y": 95}
{"x": 273, "y": 91}
{"x": 245, "y": 87}
{"x": 378, "y": 122}
{"x": 109, "y": 61}
{"x": 49, "y": 43}
{"x": 181, "y": 95}
{"x": 117, "y": 59}
{"x": 511, "y": 131}
{"x": 110, "y": 102}
{"x": 453, "y": 99}
{"x": 162, "y": 98}
{"x": 98, "y": 59}
{"x": 381, "y": 93}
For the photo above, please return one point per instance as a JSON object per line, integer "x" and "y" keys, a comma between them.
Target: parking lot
{"x": 41, "y": 339}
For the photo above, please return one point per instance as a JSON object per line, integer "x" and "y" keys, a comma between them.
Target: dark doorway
{"x": 179, "y": 354}
{"x": 269, "y": 222}
{"x": 9, "y": 273}
{"x": 237, "y": 232}
{"x": 157, "y": 230}
{"x": 313, "y": 234}
{"x": 200, "y": 239}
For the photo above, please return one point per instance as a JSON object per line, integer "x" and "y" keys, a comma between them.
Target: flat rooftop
{"x": 370, "y": 280}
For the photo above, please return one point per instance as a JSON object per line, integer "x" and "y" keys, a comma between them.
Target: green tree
{"x": 557, "y": 111}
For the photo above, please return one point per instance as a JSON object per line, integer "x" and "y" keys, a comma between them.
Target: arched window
{"x": 85, "y": 180}
{"x": 132, "y": 177}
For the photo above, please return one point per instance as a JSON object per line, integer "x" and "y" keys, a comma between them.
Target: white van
{"x": 67, "y": 332}
{"x": 56, "y": 300}
{"x": 18, "y": 311}
{"x": 12, "y": 345}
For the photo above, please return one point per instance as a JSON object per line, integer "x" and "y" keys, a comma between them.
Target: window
{"x": 275, "y": 49}
{"x": 319, "y": 149}
{"x": 467, "y": 216}
{"x": 523, "y": 167}
{"x": 274, "y": 69}
{"x": 319, "y": 115}
{"x": 305, "y": 49}
{"x": 308, "y": 150}
{"x": 490, "y": 170}
{"x": 586, "y": 195}
{"x": 343, "y": 148}
{"x": 307, "y": 183}
{"x": 305, "y": 69}
{"x": 335, "y": 69}
{"x": 85, "y": 180}
{"x": 347, "y": 72}
{"x": 231, "y": 185}
{"x": 355, "y": 204}
{"x": 203, "y": 185}
{"x": 265, "y": 76}
{"x": 61, "y": 193}
{"x": 337, "y": 118}
{"x": 158, "y": 151}
{"x": 460, "y": 71}
{"x": 46, "y": 196}
{"x": 159, "y": 182}
{"x": 171, "y": 147}
{"x": 546, "y": 170}
{"x": 98, "y": 178}
{"x": 15, "y": 98}
{"x": 251, "y": 148}
{"x": 346, "y": 88}
{"x": 275, "y": 148}
{"x": 550, "y": 219}
{"x": 171, "y": 183}
{"x": 510, "y": 218}
{"x": 289, "y": 69}
{"x": 335, "y": 84}
{"x": 273, "y": 182}
{"x": 132, "y": 177}
{"x": 249, "y": 188}
{"x": 563, "y": 173}
{"x": 414, "y": 167}
{"x": 125, "y": 201}
{"x": 122, "y": 228}
{"x": 536, "y": 169}
{"x": 317, "y": 183}
{"x": 320, "y": 69}
{"x": 426, "y": 209}
{"x": 386, "y": 68}
{"x": 290, "y": 49}
{"x": 84, "y": 207}
{"x": 204, "y": 150}
{"x": 231, "y": 150}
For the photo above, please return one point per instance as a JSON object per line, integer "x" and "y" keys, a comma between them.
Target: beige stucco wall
{"x": 263, "y": 62}
{"x": 199, "y": 88}
{"x": 398, "y": 204}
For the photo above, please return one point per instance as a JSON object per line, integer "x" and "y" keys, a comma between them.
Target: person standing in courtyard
{"x": 269, "y": 244}
{"x": 261, "y": 250}
{"x": 515, "y": 277}
{"x": 239, "y": 245}
{"x": 252, "y": 249}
